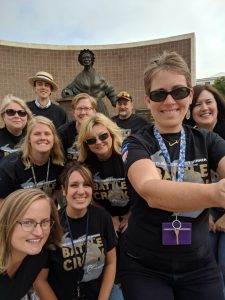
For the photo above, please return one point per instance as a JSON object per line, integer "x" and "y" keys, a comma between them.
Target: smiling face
{"x": 78, "y": 195}
{"x": 168, "y": 114}
{"x": 205, "y": 111}
{"x": 83, "y": 110}
{"x": 102, "y": 149}
{"x": 124, "y": 108}
{"x": 86, "y": 59}
{"x": 16, "y": 123}
{"x": 41, "y": 139}
{"x": 43, "y": 89}
{"x": 30, "y": 243}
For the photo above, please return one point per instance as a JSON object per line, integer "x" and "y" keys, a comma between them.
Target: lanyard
{"x": 34, "y": 176}
{"x": 81, "y": 269}
{"x": 181, "y": 161}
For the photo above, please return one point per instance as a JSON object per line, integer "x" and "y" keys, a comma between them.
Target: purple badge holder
{"x": 168, "y": 233}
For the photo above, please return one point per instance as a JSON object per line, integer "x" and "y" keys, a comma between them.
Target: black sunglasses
{"x": 11, "y": 112}
{"x": 177, "y": 94}
{"x": 101, "y": 137}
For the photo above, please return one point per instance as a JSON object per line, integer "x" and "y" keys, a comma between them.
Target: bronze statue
{"x": 90, "y": 82}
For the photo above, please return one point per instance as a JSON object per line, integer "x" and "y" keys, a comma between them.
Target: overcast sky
{"x": 99, "y": 22}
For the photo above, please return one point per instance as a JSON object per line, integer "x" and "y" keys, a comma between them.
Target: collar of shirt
{"x": 42, "y": 107}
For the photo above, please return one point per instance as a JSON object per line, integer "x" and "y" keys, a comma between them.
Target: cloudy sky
{"x": 99, "y": 22}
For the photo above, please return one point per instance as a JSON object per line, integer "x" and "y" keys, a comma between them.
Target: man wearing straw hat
{"x": 44, "y": 85}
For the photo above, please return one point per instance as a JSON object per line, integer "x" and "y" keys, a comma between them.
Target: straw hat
{"x": 43, "y": 76}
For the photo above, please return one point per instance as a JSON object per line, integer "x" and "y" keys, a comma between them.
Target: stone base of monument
{"x": 66, "y": 104}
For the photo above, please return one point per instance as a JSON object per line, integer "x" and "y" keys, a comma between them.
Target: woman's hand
{"x": 116, "y": 223}
{"x": 124, "y": 222}
{"x": 212, "y": 226}
{"x": 220, "y": 223}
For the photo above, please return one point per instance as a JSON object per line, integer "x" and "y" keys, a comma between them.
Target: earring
{"x": 188, "y": 114}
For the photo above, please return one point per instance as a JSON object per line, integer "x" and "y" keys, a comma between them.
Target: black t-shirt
{"x": 130, "y": 125}
{"x": 14, "y": 176}
{"x": 144, "y": 234}
{"x": 220, "y": 128}
{"x": 63, "y": 271}
{"x": 68, "y": 134}
{"x": 8, "y": 141}
{"x": 54, "y": 112}
{"x": 16, "y": 287}
{"x": 110, "y": 187}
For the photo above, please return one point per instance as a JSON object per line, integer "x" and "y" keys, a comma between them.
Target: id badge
{"x": 176, "y": 233}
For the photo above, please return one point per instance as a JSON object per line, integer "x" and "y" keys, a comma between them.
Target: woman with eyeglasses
{"x": 84, "y": 266}
{"x": 29, "y": 225}
{"x": 83, "y": 106}
{"x": 167, "y": 253}
{"x": 99, "y": 145}
{"x": 208, "y": 111}
{"x": 14, "y": 115}
{"x": 38, "y": 164}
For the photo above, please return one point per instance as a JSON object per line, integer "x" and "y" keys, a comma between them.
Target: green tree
{"x": 219, "y": 84}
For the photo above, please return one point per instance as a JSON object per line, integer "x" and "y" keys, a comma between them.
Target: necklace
{"x": 172, "y": 143}
{"x": 79, "y": 295}
{"x": 46, "y": 180}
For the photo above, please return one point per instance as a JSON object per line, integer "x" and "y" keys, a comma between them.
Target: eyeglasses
{"x": 29, "y": 224}
{"x": 11, "y": 112}
{"x": 101, "y": 137}
{"x": 85, "y": 109}
{"x": 177, "y": 94}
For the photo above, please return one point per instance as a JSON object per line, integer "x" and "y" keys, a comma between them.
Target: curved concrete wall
{"x": 122, "y": 65}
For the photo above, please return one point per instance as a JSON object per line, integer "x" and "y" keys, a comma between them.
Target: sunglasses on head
{"x": 11, "y": 112}
{"x": 101, "y": 137}
{"x": 177, "y": 94}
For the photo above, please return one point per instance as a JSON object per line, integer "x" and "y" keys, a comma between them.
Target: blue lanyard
{"x": 181, "y": 161}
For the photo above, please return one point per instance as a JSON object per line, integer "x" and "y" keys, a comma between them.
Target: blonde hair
{"x": 56, "y": 153}
{"x": 78, "y": 97}
{"x": 86, "y": 131}
{"x": 12, "y": 209}
{"x": 7, "y": 100}
{"x": 169, "y": 61}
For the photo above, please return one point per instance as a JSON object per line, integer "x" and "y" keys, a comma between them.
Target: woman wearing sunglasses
{"x": 38, "y": 164}
{"x": 167, "y": 254}
{"x": 83, "y": 106}
{"x": 14, "y": 115}
{"x": 99, "y": 145}
{"x": 28, "y": 226}
{"x": 84, "y": 266}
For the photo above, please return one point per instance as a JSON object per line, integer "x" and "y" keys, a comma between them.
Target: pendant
{"x": 174, "y": 143}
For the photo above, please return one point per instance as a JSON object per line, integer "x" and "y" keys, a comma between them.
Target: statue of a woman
{"x": 90, "y": 82}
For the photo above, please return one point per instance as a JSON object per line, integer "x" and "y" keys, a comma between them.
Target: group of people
{"x": 139, "y": 199}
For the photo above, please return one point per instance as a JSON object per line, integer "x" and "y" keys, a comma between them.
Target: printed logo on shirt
{"x": 125, "y": 133}
{"x": 47, "y": 186}
{"x": 194, "y": 171}
{"x": 112, "y": 189}
{"x": 95, "y": 257}
{"x": 72, "y": 153}
{"x": 7, "y": 149}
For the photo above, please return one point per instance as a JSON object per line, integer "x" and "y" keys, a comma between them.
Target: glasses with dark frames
{"x": 29, "y": 224}
{"x": 101, "y": 137}
{"x": 177, "y": 94}
{"x": 11, "y": 112}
